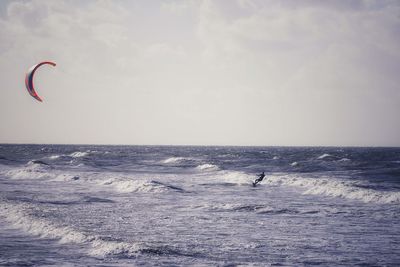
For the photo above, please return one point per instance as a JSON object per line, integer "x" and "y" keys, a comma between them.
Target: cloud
{"x": 202, "y": 71}
{"x": 332, "y": 63}
{"x": 177, "y": 7}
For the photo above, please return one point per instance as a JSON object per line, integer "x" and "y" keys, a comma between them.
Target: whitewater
{"x": 71, "y": 205}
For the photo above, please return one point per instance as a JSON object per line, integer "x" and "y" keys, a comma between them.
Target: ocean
{"x": 83, "y": 205}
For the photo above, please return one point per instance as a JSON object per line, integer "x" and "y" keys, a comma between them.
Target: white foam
{"x": 30, "y": 171}
{"x": 101, "y": 248}
{"x": 235, "y": 177}
{"x": 294, "y": 163}
{"x": 129, "y": 186}
{"x": 275, "y": 158}
{"x": 55, "y": 156}
{"x": 36, "y": 163}
{"x": 207, "y": 167}
{"x": 219, "y": 206}
{"x": 38, "y": 171}
{"x": 336, "y": 188}
{"x": 173, "y": 160}
{"x": 79, "y": 154}
{"x": 18, "y": 216}
{"x": 324, "y": 156}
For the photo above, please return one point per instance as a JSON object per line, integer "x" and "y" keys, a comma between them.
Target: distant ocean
{"x": 66, "y": 205}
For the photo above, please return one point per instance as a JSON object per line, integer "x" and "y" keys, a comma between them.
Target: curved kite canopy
{"x": 29, "y": 79}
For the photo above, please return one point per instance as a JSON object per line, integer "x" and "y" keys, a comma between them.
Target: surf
{"x": 334, "y": 187}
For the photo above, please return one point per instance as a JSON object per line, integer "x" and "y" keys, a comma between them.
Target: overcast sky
{"x": 202, "y": 72}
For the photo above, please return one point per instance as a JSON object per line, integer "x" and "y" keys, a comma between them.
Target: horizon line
{"x": 192, "y": 145}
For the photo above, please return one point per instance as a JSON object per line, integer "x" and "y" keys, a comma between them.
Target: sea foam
{"x": 34, "y": 170}
{"x": 235, "y": 177}
{"x": 207, "y": 167}
{"x": 174, "y": 161}
{"x": 79, "y": 154}
{"x": 18, "y": 215}
{"x": 336, "y": 188}
{"x": 129, "y": 186}
{"x": 325, "y": 156}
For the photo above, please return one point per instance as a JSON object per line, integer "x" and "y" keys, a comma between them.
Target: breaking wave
{"x": 324, "y": 156}
{"x": 29, "y": 171}
{"x": 146, "y": 186}
{"x": 235, "y": 177}
{"x": 18, "y": 216}
{"x": 74, "y": 155}
{"x": 228, "y": 207}
{"x": 207, "y": 167}
{"x": 38, "y": 170}
{"x": 39, "y": 162}
{"x": 79, "y": 154}
{"x": 256, "y": 208}
{"x": 178, "y": 161}
{"x": 173, "y": 160}
{"x": 55, "y": 156}
{"x": 337, "y": 188}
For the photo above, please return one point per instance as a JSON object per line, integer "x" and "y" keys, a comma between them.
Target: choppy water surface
{"x": 149, "y": 205}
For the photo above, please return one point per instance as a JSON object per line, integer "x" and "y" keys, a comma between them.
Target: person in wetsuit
{"x": 259, "y": 179}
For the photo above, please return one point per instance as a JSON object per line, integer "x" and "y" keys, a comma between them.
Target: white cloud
{"x": 310, "y": 52}
{"x": 177, "y": 7}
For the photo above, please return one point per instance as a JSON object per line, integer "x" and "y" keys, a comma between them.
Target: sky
{"x": 233, "y": 72}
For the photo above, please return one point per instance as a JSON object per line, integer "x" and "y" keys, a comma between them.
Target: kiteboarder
{"x": 259, "y": 179}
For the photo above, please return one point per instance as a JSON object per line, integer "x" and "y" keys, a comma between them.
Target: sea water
{"x": 65, "y": 205}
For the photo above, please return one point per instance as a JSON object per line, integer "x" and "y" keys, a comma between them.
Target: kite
{"x": 29, "y": 79}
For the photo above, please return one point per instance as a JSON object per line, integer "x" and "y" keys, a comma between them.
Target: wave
{"x": 226, "y": 207}
{"x": 168, "y": 186}
{"x": 207, "y": 167}
{"x": 256, "y": 208}
{"x": 18, "y": 215}
{"x": 76, "y": 154}
{"x": 324, "y": 156}
{"x": 79, "y": 154}
{"x": 332, "y": 157}
{"x": 130, "y": 186}
{"x": 118, "y": 182}
{"x": 294, "y": 164}
{"x": 86, "y": 199}
{"x": 56, "y": 156}
{"x": 31, "y": 171}
{"x": 35, "y": 161}
{"x": 337, "y": 188}
{"x": 173, "y": 160}
{"x": 38, "y": 170}
{"x": 235, "y": 177}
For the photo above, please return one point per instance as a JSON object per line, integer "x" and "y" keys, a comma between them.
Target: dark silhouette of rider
{"x": 259, "y": 179}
